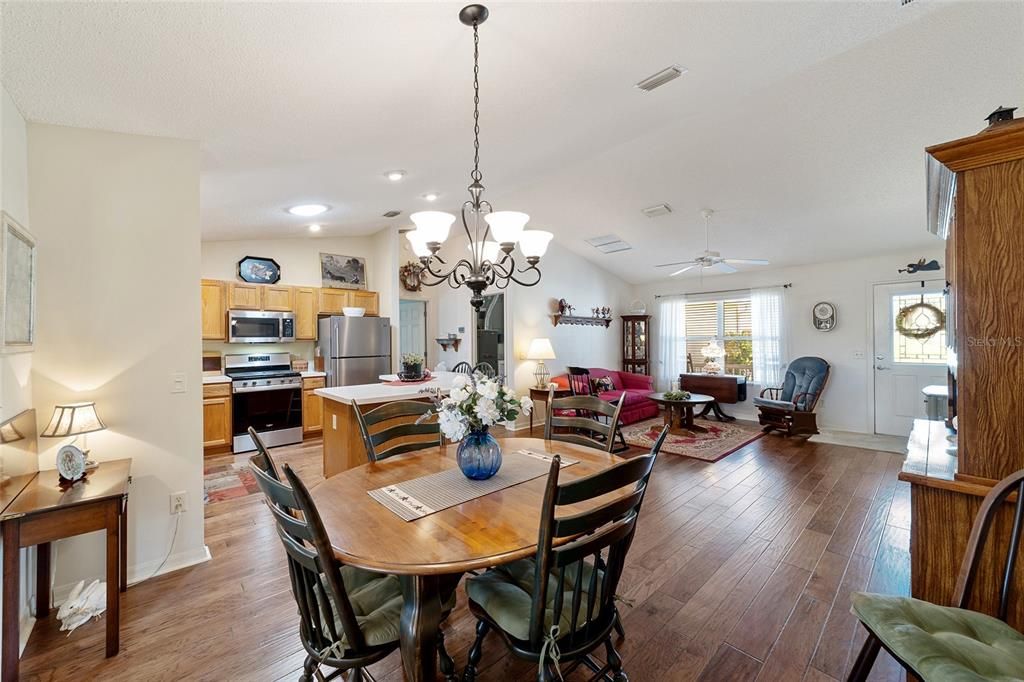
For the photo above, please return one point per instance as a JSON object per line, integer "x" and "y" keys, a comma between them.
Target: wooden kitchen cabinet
{"x": 312, "y": 405}
{"x": 333, "y": 300}
{"x": 277, "y": 297}
{"x": 214, "y": 306}
{"x": 244, "y": 296}
{"x": 216, "y": 416}
{"x": 305, "y": 300}
{"x": 365, "y": 299}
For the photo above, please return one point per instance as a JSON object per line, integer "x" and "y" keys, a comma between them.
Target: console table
{"x": 44, "y": 511}
{"x": 724, "y": 388}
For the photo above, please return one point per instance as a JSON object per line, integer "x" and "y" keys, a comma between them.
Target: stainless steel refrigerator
{"x": 356, "y": 350}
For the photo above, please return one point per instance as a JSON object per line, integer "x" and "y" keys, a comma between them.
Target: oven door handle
{"x": 258, "y": 389}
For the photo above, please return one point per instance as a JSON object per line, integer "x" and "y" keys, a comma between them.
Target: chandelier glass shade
{"x": 492, "y": 235}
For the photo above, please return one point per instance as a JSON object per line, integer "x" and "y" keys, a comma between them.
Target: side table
{"x": 540, "y": 395}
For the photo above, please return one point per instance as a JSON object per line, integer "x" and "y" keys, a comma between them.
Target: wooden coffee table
{"x": 679, "y": 413}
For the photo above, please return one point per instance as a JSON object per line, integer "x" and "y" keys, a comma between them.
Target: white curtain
{"x": 768, "y": 322}
{"x": 671, "y": 340}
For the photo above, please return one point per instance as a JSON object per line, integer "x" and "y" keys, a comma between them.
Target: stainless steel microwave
{"x": 260, "y": 326}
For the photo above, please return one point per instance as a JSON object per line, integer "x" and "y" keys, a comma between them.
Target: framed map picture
{"x": 18, "y": 264}
{"x": 342, "y": 272}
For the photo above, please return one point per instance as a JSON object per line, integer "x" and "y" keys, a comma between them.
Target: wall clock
{"x": 824, "y": 316}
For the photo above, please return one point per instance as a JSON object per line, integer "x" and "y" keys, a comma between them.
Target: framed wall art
{"x": 257, "y": 270}
{"x": 18, "y": 265}
{"x": 342, "y": 272}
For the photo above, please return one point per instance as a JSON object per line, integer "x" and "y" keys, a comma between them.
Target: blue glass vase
{"x": 479, "y": 455}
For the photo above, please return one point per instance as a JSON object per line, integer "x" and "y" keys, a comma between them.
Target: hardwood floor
{"x": 740, "y": 570}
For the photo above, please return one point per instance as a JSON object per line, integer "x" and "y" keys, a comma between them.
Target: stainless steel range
{"x": 266, "y": 395}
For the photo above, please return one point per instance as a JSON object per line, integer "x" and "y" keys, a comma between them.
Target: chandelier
{"x": 492, "y": 235}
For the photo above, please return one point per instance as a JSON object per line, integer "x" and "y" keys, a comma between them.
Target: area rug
{"x": 721, "y": 439}
{"x": 228, "y": 481}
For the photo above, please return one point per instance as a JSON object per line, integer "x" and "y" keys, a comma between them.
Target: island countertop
{"x": 372, "y": 394}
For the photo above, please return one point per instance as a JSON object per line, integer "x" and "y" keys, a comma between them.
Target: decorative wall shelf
{"x": 449, "y": 342}
{"x": 559, "y": 318}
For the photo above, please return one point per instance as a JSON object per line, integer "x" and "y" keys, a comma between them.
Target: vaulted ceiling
{"x": 802, "y": 123}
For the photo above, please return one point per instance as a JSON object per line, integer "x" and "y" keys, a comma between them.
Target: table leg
{"x": 687, "y": 419}
{"x": 113, "y": 579}
{"x": 42, "y": 580}
{"x": 123, "y": 532}
{"x": 11, "y": 578}
{"x": 714, "y": 407}
{"x": 421, "y": 616}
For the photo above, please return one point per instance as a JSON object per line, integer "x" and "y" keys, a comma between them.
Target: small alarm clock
{"x": 71, "y": 463}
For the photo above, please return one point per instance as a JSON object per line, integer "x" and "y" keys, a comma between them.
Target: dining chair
{"x": 463, "y": 368}
{"x": 262, "y": 458}
{"x": 349, "y": 618}
{"x": 951, "y": 642}
{"x": 559, "y": 605}
{"x": 428, "y": 433}
{"x": 579, "y": 380}
{"x": 485, "y": 369}
{"x": 581, "y": 413}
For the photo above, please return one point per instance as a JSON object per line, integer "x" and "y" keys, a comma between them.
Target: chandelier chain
{"x": 476, "y": 174}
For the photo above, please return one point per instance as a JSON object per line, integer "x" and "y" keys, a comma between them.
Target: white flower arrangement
{"x": 476, "y": 403}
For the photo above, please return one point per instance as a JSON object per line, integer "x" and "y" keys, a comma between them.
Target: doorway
{"x": 903, "y": 364}
{"x": 412, "y": 328}
{"x": 490, "y": 333}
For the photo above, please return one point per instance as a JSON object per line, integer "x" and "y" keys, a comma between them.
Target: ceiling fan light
{"x": 534, "y": 243}
{"x": 507, "y": 226}
{"x": 433, "y": 225}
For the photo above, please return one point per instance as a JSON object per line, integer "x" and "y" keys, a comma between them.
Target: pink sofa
{"x": 634, "y": 389}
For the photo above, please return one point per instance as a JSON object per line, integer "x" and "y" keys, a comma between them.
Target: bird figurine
{"x": 921, "y": 265}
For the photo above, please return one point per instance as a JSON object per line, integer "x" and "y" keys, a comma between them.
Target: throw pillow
{"x": 602, "y": 384}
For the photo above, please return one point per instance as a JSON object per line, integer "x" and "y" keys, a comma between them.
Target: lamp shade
{"x": 540, "y": 349}
{"x": 433, "y": 225}
{"x": 534, "y": 243}
{"x": 506, "y": 226}
{"x": 73, "y": 419}
{"x": 418, "y": 243}
{"x": 485, "y": 251}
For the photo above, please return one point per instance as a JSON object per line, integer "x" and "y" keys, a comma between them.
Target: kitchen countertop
{"x": 310, "y": 374}
{"x": 369, "y": 394}
{"x": 216, "y": 379}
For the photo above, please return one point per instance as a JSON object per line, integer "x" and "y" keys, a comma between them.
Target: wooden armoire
{"x": 984, "y": 189}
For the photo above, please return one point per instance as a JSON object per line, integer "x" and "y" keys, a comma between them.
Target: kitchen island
{"x": 343, "y": 444}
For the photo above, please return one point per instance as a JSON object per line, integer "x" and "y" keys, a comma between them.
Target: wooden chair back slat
{"x": 427, "y": 432}
{"x": 579, "y": 380}
{"x": 604, "y": 527}
{"x": 262, "y": 459}
{"x": 463, "y": 368}
{"x": 584, "y": 419}
{"x": 485, "y": 369}
{"x": 994, "y": 501}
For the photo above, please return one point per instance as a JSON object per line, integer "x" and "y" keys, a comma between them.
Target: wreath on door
{"x": 920, "y": 320}
{"x": 409, "y": 274}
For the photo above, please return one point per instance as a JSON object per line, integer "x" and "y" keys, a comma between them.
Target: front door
{"x": 412, "y": 327}
{"x": 905, "y": 361}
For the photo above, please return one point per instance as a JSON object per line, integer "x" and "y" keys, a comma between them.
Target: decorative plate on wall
{"x": 258, "y": 270}
{"x": 824, "y": 316}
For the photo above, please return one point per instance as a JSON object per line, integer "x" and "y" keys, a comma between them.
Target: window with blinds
{"x": 727, "y": 320}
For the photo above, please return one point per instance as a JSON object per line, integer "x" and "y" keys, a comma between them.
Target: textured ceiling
{"x": 801, "y": 123}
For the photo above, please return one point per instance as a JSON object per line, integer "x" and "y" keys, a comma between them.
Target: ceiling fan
{"x": 711, "y": 259}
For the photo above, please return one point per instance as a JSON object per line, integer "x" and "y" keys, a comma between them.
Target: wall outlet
{"x": 179, "y": 502}
{"x": 178, "y": 383}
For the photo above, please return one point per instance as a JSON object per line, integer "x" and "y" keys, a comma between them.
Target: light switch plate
{"x": 178, "y": 382}
{"x": 858, "y": 355}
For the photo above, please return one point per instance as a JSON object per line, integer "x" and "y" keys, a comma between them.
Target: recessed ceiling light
{"x": 314, "y": 228}
{"x": 307, "y": 210}
{"x": 431, "y": 196}
{"x": 395, "y": 175}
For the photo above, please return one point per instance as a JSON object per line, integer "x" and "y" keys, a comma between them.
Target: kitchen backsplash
{"x": 300, "y": 349}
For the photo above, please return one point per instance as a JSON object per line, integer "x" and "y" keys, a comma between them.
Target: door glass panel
{"x": 930, "y": 350}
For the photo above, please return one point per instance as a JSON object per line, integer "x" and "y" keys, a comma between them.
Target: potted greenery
{"x": 412, "y": 366}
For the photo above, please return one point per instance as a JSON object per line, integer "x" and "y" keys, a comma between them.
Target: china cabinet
{"x": 636, "y": 344}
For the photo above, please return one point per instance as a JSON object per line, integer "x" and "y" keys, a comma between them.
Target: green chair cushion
{"x": 376, "y": 600}
{"x": 942, "y": 642}
{"x": 505, "y": 593}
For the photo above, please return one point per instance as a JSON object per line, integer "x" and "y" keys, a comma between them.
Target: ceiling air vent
{"x": 664, "y": 76}
{"x": 392, "y": 214}
{"x": 609, "y": 243}
{"x": 656, "y": 210}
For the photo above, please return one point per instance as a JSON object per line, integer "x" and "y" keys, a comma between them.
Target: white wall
{"x": 117, "y": 222}
{"x": 848, "y": 401}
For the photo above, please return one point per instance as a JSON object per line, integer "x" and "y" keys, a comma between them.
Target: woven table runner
{"x": 419, "y": 497}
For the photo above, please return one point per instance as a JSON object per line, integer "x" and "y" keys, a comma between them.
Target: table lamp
{"x": 712, "y": 354}
{"x": 541, "y": 350}
{"x": 73, "y": 419}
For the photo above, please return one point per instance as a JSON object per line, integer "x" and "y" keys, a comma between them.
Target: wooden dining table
{"x": 431, "y": 553}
